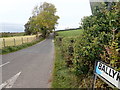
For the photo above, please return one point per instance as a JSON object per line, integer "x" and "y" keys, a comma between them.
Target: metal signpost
{"x": 107, "y": 74}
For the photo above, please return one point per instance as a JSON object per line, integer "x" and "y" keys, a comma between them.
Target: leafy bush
{"x": 99, "y": 41}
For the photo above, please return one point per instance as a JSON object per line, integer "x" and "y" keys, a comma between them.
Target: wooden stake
{"x": 14, "y": 42}
{"x": 4, "y": 42}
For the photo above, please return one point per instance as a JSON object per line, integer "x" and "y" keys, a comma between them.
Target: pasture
{"x": 10, "y": 34}
{"x": 17, "y": 40}
{"x": 70, "y": 33}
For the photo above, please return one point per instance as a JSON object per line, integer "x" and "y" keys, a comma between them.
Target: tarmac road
{"x": 34, "y": 64}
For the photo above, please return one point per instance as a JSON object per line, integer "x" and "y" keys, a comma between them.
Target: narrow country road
{"x": 33, "y": 64}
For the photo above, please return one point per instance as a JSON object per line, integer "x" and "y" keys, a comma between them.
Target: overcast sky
{"x": 69, "y": 11}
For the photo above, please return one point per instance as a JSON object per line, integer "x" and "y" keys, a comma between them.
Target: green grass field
{"x": 8, "y": 34}
{"x": 70, "y": 33}
{"x": 9, "y": 41}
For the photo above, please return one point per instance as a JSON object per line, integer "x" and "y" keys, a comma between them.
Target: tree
{"x": 43, "y": 19}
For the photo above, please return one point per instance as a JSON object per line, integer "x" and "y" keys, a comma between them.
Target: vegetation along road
{"x": 30, "y": 67}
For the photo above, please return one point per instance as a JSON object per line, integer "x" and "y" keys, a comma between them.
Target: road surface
{"x": 30, "y": 67}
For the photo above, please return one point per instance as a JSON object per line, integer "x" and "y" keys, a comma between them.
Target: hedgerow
{"x": 99, "y": 41}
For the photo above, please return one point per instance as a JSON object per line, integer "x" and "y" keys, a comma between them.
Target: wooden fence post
{"x": 14, "y": 42}
{"x": 27, "y": 40}
{"x": 31, "y": 39}
{"x": 4, "y": 42}
{"x": 22, "y": 40}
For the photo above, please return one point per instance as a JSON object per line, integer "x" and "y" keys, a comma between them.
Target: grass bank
{"x": 62, "y": 78}
{"x": 10, "y": 49}
{"x": 62, "y": 75}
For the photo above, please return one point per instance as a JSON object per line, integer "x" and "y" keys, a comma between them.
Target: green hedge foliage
{"x": 99, "y": 41}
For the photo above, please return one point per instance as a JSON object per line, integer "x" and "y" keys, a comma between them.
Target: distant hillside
{"x": 9, "y": 27}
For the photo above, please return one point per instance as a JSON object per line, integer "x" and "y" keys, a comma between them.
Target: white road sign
{"x": 109, "y": 74}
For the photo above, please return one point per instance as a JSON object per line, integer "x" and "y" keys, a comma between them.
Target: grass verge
{"x": 62, "y": 77}
{"x": 10, "y": 49}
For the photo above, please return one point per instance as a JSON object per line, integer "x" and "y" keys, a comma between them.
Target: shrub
{"x": 99, "y": 41}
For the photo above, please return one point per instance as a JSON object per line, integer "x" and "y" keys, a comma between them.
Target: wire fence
{"x": 14, "y": 41}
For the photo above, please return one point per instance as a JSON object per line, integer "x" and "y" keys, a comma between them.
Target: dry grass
{"x": 9, "y": 41}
